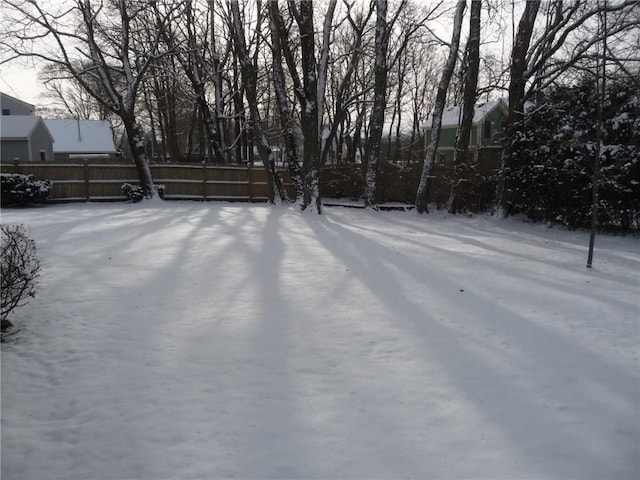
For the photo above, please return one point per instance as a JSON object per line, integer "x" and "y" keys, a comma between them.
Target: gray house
{"x": 12, "y": 106}
{"x": 25, "y": 138}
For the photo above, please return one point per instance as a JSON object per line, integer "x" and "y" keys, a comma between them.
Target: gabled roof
{"x": 19, "y": 126}
{"x": 81, "y": 136}
{"x": 451, "y": 116}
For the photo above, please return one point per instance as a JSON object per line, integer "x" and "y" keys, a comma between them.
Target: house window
{"x": 487, "y": 129}
{"x": 43, "y": 155}
{"x": 6, "y": 111}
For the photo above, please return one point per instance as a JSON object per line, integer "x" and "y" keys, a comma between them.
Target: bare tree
{"x": 400, "y": 32}
{"x": 472, "y": 67}
{"x": 568, "y": 37}
{"x": 249, "y": 80}
{"x": 379, "y": 103}
{"x": 182, "y": 38}
{"x": 422, "y": 198}
{"x": 219, "y": 54}
{"x": 92, "y": 43}
{"x": 345, "y": 95}
{"x": 519, "y": 60}
{"x": 408, "y": 33}
{"x": 285, "y": 108}
{"x": 517, "y": 81}
{"x": 422, "y": 86}
{"x": 309, "y": 104}
{"x": 309, "y": 83}
{"x": 163, "y": 92}
{"x": 68, "y": 98}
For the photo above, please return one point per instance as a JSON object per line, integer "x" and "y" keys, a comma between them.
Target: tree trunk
{"x": 166, "y": 102}
{"x": 214, "y": 149}
{"x": 379, "y": 104}
{"x": 323, "y": 63}
{"x": 249, "y": 79}
{"x": 284, "y": 106}
{"x": 461, "y": 164}
{"x": 193, "y": 66}
{"x": 516, "y": 91}
{"x": 217, "y": 85}
{"x": 154, "y": 138}
{"x": 422, "y": 197}
{"x": 356, "y": 146}
{"x": 239, "y": 121}
{"x": 309, "y": 114}
{"x": 136, "y": 144}
{"x": 161, "y": 120}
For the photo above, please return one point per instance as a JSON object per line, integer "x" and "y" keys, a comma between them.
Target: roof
{"x": 451, "y": 116}
{"x": 81, "y": 136}
{"x": 19, "y": 126}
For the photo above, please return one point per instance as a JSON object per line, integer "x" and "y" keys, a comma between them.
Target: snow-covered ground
{"x": 190, "y": 340}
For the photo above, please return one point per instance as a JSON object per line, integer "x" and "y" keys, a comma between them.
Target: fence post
{"x": 204, "y": 180}
{"x": 16, "y": 166}
{"x": 249, "y": 175}
{"x": 85, "y": 170}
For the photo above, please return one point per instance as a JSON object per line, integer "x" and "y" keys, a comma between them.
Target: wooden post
{"x": 85, "y": 170}
{"x": 249, "y": 175}
{"x": 204, "y": 180}
{"x": 16, "y": 166}
{"x": 600, "y": 98}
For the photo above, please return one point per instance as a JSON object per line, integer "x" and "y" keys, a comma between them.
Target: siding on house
{"x": 41, "y": 144}
{"x": 17, "y": 149}
{"x": 497, "y": 118}
{"x": 484, "y": 144}
{"x": 13, "y": 106}
{"x": 25, "y": 138}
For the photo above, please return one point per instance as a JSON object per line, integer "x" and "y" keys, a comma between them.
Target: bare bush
{"x": 19, "y": 270}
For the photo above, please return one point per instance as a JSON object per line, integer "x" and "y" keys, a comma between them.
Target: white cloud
{"x": 20, "y": 79}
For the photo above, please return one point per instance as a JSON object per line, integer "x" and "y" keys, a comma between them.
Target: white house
{"x": 82, "y": 139}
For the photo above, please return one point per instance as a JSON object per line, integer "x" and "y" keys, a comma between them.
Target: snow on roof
{"x": 81, "y": 136}
{"x": 451, "y": 116}
{"x": 18, "y": 126}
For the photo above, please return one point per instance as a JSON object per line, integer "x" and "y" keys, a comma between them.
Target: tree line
{"x": 332, "y": 81}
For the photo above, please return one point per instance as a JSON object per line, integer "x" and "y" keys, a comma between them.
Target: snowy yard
{"x": 188, "y": 340}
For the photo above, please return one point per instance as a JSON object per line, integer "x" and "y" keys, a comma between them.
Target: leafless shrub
{"x": 19, "y": 270}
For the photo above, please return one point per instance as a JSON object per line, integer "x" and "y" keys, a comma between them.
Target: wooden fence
{"x": 399, "y": 183}
{"x": 103, "y": 182}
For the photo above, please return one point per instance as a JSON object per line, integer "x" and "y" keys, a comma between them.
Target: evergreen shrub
{"x": 551, "y": 155}
{"x": 18, "y": 189}
{"x": 135, "y": 193}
